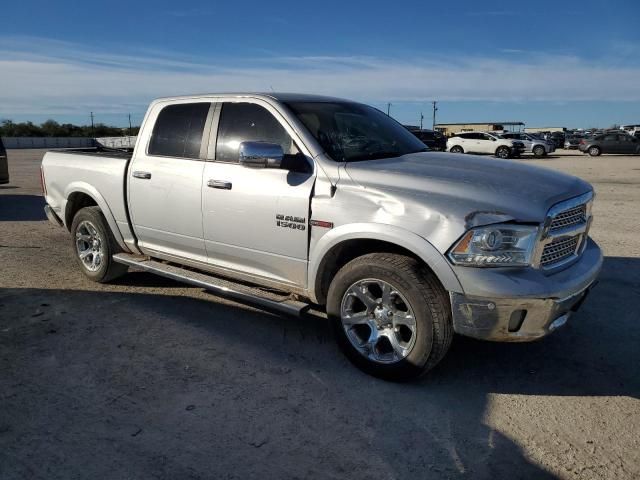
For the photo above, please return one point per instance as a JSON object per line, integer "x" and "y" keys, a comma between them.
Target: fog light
{"x": 516, "y": 320}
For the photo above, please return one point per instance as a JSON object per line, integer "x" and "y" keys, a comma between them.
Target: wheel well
{"x": 346, "y": 251}
{"x": 75, "y": 202}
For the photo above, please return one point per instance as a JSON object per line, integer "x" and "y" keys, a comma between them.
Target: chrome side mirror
{"x": 260, "y": 155}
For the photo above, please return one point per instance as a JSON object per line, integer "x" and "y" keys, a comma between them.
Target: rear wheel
{"x": 94, "y": 246}
{"x": 390, "y": 315}
{"x": 594, "y": 151}
{"x": 539, "y": 151}
{"x": 503, "y": 152}
{"x": 456, "y": 149}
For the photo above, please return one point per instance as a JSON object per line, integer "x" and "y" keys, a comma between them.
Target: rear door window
{"x": 178, "y": 130}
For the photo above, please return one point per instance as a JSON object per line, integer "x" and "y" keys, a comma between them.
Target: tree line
{"x": 51, "y": 128}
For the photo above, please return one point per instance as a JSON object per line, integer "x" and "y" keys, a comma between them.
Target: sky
{"x": 545, "y": 63}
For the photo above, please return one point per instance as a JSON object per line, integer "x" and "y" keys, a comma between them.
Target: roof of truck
{"x": 280, "y": 96}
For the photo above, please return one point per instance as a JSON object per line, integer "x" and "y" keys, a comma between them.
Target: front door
{"x": 165, "y": 182}
{"x": 256, "y": 219}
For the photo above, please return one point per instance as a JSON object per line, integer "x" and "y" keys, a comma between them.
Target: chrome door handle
{"x": 142, "y": 175}
{"x": 221, "y": 184}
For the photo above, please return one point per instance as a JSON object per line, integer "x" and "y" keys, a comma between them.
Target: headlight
{"x": 496, "y": 246}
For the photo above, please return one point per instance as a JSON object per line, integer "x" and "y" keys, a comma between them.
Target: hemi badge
{"x": 320, "y": 223}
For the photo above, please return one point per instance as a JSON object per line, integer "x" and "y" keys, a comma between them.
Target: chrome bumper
{"x": 51, "y": 215}
{"x": 520, "y": 318}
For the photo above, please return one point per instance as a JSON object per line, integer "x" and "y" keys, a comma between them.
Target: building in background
{"x": 449, "y": 129}
{"x": 544, "y": 129}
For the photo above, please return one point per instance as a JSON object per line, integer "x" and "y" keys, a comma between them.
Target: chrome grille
{"x": 559, "y": 249}
{"x": 570, "y": 217}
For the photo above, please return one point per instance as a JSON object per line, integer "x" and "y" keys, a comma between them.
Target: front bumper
{"x": 521, "y": 305}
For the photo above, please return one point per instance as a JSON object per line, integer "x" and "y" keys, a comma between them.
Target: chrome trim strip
{"x": 580, "y": 230}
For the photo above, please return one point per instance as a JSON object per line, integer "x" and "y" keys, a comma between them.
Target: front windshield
{"x": 349, "y": 132}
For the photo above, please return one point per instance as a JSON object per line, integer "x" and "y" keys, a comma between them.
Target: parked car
{"x": 481, "y": 142}
{"x": 4, "y": 164}
{"x": 610, "y": 143}
{"x": 572, "y": 142}
{"x": 433, "y": 139}
{"x": 534, "y": 145}
{"x": 557, "y": 138}
{"x": 326, "y": 202}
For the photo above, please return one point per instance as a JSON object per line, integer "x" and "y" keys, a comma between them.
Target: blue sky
{"x": 545, "y": 62}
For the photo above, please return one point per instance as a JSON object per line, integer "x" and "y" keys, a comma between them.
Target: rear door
{"x": 256, "y": 219}
{"x": 470, "y": 142}
{"x": 610, "y": 144}
{"x": 165, "y": 181}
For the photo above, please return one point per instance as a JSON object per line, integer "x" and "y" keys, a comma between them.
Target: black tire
{"x": 539, "y": 151}
{"x": 426, "y": 298}
{"x": 456, "y": 149}
{"x": 85, "y": 221}
{"x": 594, "y": 151}
{"x": 503, "y": 152}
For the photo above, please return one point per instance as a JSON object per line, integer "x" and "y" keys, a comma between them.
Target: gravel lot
{"x": 147, "y": 378}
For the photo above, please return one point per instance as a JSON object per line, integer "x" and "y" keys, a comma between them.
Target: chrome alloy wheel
{"x": 89, "y": 246}
{"x": 378, "y": 321}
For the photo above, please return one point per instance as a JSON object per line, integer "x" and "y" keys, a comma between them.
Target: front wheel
{"x": 94, "y": 246}
{"x": 391, "y": 316}
{"x": 456, "y": 149}
{"x": 503, "y": 152}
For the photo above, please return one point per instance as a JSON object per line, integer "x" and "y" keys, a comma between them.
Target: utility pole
{"x": 388, "y": 108}
{"x": 435, "y": 109}
{"x": 129, "y": 139}
{"x": 421, "y": 119}
{"x": 92, "y": 128}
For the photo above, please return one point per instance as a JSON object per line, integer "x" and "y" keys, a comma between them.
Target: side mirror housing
{"x": 260, "y": 155}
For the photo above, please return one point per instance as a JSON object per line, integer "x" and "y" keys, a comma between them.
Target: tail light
{"x": 43, "y": 185}
{"x": 582, "y": 141}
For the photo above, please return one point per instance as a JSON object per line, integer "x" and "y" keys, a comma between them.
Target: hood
{"x": 477, "y": 189}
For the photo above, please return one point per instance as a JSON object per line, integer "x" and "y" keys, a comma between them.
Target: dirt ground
{"x": 147, "y": 378}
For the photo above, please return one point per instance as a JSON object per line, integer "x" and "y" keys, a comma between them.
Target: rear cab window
{"x": 178, "y": 130}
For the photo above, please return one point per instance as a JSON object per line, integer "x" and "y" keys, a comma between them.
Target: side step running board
{"x": 266, "y": 299}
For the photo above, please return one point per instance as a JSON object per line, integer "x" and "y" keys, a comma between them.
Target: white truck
{"x": 288, "y": 200}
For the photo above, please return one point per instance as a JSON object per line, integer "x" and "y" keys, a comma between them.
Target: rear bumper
{"x": 525, "y": 305}
{"x": 51, "y": 215}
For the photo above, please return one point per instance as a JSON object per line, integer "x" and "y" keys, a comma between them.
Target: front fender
{"x": 83, "y": 187}
{"x": 416, "y": 244}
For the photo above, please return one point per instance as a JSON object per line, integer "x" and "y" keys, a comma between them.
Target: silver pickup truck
{"x": 291, "y": 201}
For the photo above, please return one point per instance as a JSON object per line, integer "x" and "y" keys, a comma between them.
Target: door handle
{"x": 142, "y": 175}
{"x": 221, "y": 184}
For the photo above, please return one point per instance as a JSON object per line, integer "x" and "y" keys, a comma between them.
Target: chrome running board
{"x": 264, "y": 298}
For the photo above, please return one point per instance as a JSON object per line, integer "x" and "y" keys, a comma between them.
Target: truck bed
{"x": 100, "y": 174}
{"x": 98, "y": 152}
